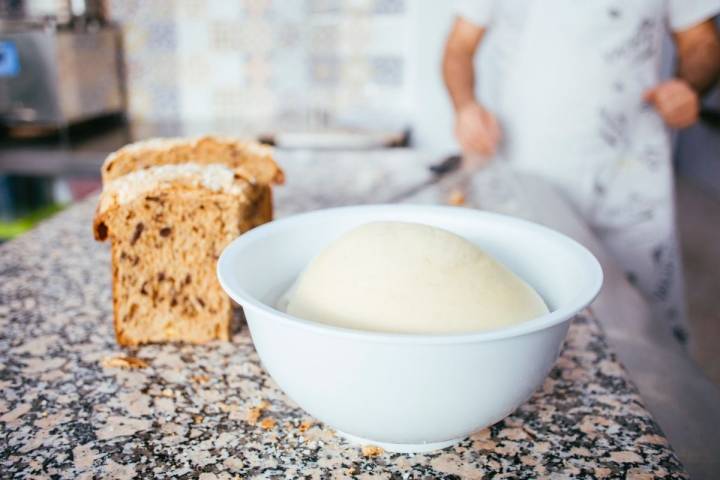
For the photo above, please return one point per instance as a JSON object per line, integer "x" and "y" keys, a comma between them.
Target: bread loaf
{"x": 168, "y": 223}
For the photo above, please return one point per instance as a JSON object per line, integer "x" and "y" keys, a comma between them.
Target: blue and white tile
{"x": 389, "y": 7}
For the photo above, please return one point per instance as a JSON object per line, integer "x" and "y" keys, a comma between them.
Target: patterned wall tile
{"x": 196, "y": 104}
{"x": 258, "y": 71}
{"x": 257, "y": 8}
{"x": 288, "y": 71}
{"x": 225, "y": 35}
{"x": 226, "y": 68}
{"x": 134, "y": 40}
{"x": 324, "y": 38}
{"x": 387, "y": 70}
{"x": 206, "y": 75}
{"x": 161, "y": 37}
{"x": 194, "y": 37}
{"x": 362, "y": 7}
{"x": 164, "y": 101}
{"x": 356, "y": 72}
{"x": 158, "y": 68}
{"x": 393, "y": 7}
{"x": 259, "y": 59}
{"x": 258, "y": 104}
{"x": 294, "y": 11}
{"x": 191, "y": 9}
{"x": 193, "y": 70}
{"x": 233, "y": 10}
{"x": 257, "y": 36}
{"x": 142, "y": 11}
{"x": 324, "y": 6}
{"x": 227, "y": 101}
{"x": 386, "y": 35}
{"x": 355, "y": 35}
{"x": 325, "y": 70}
{"x": 125, "y": 9}
{"x": 290, "y": 36}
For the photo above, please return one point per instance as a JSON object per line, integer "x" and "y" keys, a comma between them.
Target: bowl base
{"x": 400, "y": 447}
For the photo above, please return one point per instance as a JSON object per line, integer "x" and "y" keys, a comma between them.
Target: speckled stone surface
{"x": 187, "y": 414}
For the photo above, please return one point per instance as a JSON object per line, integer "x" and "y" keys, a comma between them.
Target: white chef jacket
{"x": 566, "y": 79}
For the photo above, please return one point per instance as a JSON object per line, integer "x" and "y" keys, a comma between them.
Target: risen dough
{"x": 411, "y": 278}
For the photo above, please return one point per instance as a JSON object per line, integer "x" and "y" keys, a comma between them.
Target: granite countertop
{"x": 75, "y": 405}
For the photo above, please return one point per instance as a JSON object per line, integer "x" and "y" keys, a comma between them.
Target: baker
{"x": 571, "y": 90}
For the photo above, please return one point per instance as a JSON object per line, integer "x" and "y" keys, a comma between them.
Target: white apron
{"x": 566, "y": 80}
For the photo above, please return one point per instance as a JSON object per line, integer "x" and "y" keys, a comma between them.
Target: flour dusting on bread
{"x": 214, "y": 176}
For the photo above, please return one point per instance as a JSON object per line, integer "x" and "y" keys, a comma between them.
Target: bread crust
{"x": 252, "y": 160}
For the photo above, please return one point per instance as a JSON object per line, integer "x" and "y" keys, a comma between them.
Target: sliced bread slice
{"x": 168, "y": 225}
{"x": 249, "y": 159}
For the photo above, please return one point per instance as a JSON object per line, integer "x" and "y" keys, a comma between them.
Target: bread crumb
{"x": 253, "y": 415}
{"x": 256, "y": 412}
{"x": 456, "y": 198}
{"x": 123, "y": 362}
{"x": 305, "y": 426}
{"x": 267, "y": 423}
{"x": 167, "y": 393}
{"x": 372, "y": 451}
{"x": 225, "y": 408}
{"x": 198, "y": 418}
{"x": 200, "y": 379}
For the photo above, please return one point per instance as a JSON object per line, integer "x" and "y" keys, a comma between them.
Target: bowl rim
{"x": 545, "y": 321}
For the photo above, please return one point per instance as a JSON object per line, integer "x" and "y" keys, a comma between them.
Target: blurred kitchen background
{"x": 81, "y": 78}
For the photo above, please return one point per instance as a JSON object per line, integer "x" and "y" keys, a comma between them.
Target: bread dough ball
{"x": 411, "y": 278}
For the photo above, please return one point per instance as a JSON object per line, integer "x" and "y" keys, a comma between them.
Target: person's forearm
{"x": 459, "y": 76}
{"x": 701, "y": 68}
{"x": 699, "y": 62}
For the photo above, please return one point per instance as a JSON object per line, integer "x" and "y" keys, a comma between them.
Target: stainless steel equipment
{"x": 54, "y": 74}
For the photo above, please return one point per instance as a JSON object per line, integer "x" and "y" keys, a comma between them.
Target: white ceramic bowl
{"x": 407, "y": 392}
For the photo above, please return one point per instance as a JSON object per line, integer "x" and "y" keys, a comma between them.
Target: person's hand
{"x": 676, "y": 102}
{"x": 477, "y": 130}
